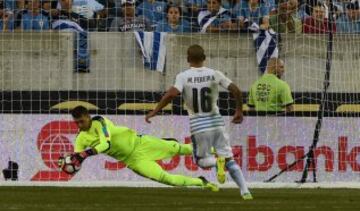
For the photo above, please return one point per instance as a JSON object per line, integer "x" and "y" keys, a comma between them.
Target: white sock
{"x": 237, "y": 175}
{"x": 207, "y": 162}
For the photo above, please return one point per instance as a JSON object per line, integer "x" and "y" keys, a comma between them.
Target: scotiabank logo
{"x": 53, "y": 141}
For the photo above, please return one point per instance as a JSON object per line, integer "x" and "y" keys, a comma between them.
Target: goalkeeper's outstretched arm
{"x": 165, "y": 100}
{"x": 81, "y": 153}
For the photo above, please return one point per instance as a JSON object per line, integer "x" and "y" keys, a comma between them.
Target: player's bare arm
{"x": 236, "y": 93}
{"x": 165, "y": 100}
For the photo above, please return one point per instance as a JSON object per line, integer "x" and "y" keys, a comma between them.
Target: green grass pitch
{"x": 170, "y": 199}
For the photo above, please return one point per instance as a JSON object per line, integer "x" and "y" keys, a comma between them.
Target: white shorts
{"x": 202, "y": 143}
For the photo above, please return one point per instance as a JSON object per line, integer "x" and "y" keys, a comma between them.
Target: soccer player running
{"x": 199, "y": 86}
{"x": 138, "y": 152}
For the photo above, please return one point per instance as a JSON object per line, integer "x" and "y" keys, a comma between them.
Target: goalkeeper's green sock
{"x": 180, "y": 180}
{"x": 185, "y": 149}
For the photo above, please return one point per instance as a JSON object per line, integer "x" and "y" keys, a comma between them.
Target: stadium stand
{"x": 97, "y": 15}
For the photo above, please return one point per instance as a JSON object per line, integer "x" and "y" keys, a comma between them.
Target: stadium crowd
{"x": 283, "y": 16}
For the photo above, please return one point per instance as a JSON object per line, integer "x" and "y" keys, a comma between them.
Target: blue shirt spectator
{"x": 37, "y": 22}
{"x": 229, "y": 4}
{"x": 10, "y": 4}
{"x": 349, "y": 22}
{"x": 15, "y": 5}
{"x": 152, "y": 10}
{"x": 33, "y": 19}
{"x": 215, "y": 18}
{"x": 251, "y": 10}
{"x": 271, "y": 4}
{"x": 173, "y": 22}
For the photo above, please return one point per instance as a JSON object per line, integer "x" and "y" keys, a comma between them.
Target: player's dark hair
{"x": 79, "y": 111}
{"x": 195, "y": 54}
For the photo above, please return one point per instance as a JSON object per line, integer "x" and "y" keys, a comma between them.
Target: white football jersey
{"x": 200, "y": 90}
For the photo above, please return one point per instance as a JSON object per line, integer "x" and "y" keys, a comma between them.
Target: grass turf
{"x": 169, "y": 199}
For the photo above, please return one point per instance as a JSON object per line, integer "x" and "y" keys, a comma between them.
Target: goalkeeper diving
{"x": 139, "y": 152}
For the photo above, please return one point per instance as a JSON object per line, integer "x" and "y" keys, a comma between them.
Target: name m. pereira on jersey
{"x": 201, "y": 79}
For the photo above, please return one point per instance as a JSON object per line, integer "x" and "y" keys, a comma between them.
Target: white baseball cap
{"x": 127, "y": 2}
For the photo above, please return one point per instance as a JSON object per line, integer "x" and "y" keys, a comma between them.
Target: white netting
{"x": 53, "y": 62}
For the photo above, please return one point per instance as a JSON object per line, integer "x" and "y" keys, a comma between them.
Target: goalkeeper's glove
{"x": 78, "y": 158}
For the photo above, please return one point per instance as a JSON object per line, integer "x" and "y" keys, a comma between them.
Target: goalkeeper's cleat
{"x": 247, "y": 196}
{"x": 220, "y": 170}
{"x": 208, "y": 185}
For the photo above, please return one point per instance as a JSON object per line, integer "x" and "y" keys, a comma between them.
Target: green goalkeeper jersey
{"x": 115, "y": 141}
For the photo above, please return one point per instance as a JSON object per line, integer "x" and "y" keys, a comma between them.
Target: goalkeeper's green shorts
{"x": 148, "y": 150}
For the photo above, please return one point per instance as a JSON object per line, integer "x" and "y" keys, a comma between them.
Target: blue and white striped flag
{"x": 81, "y": 43}
{"x": 265, "y": 45}
{"x": 153, "y": 48}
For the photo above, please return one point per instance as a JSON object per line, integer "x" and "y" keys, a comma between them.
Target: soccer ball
{"x": 67, "y": 166}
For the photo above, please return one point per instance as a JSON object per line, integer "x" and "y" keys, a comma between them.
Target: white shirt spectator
{"x": 85, "y": 8}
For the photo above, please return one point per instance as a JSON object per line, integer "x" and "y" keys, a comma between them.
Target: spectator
{"x": 6, "y": 22}
{"x": 272, "y": 5}
{"x": 195, "y": 6}
{"x": 46, "y": 7}
{"x": 287, "y": 20}
{"x": 20, "y": 9}
{"x": 113, "y": 7}
{"x": 270, "y": 93}
{"x": 85, "y": 8}
{"x": 307, "y": 5}
{"x": 21, "y": 5}
{"x": 317, "y": 22}
{"x": 49, "y": 8}
{"x": 229, "y": 4}
{"x": 116, "y": 12}
{"x": 252, "y": 11}
{"x": 10, "y": 4}
{"x": 32, "y": 18}
{"x": 174, "y": 21}
{"x": 68, "y": 11}
{"x": 152, "y": 10}
{"x": 350, "y": 21}
{"x": 181, "y": 4}
{"x": 215, "y": 18}
{"x": 129, "y": 21}
{"x": 105, "y": 16}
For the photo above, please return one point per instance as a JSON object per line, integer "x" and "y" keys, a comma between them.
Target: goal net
{"x": 46, "y": 73}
